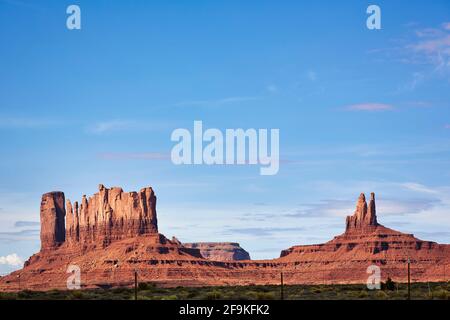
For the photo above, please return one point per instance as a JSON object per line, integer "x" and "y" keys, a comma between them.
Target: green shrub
{"x": 388, "y": 285}
{"x": 120, "y": 290}
{"x": 265, "y": 296}
{"x": 145, "y": 286}
{"x": 76, "y": 295}
{"x": 381, "y": 295}
{"x": 363, "y": 294}
{"x": 7, "y": 296}
{"x": 25, "y": 294}
{"x": 251, "y": 295}
{"x": 141, "y": 297}
{"x": 213, "y": 295}
{"x": 441, "y": 294}
{"x": 171, "y": 297}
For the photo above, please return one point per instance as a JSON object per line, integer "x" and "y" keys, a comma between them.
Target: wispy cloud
{"x": 120, "y": 125}
{"x": 332, "y": 207}
{"x": 429, "y": 46}
{"x": 416, "y": 78}
{"x": 426, "y": 48}
{"x": 21, "y": 224}
{"x": 134, "y": 156}
{"x": 28, "y": 234}
{"x": 262, "y": 232}
{"x": 418, "y": 104}
{"x": 429, "y": 204}
{"x": 369, "y": 107}
{"x": 418, "y": 187}
{"x": 215, "y": 103}
{"x": 111, "y": 125}
{"x": 341, "y": 208}
{"x": 434, "y": 235}
{"x": 379, "y": 153}
{"x": 432, "y": 45}
{"x": 11, "y": 260}
{"x": 398, "y": 207}
{"x": 26, "y": 123}
{"x": 411, "y": 205}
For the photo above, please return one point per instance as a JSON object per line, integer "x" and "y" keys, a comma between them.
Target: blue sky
{"x": 358, "y": 111}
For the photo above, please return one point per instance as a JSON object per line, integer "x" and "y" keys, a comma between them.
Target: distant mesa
{"x": 220, "y": 251}
{"x": 113, "y": 234}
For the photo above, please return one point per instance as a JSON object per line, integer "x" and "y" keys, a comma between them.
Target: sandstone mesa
{"x": 114, "y": 233}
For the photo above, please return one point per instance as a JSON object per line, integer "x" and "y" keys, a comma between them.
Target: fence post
{"x": 20, "y": 285}
{"x": 409, "y": 279}
{"x": 282, "y": 286}
{"x": 135, "y": 285}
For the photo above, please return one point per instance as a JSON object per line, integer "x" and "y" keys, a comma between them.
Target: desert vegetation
{"x": 148, "y": 291}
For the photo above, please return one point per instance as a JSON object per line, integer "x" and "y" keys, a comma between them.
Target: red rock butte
{"x": 109, "y": 215}
{"x": 114, "y": 234}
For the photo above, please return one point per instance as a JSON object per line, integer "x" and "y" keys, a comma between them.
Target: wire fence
{"x": 184, "y": 275}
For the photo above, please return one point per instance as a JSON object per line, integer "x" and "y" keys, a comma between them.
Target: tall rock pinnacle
{"x": 372, "y": 212}
{"x": 365, "y": 217}
{"x": 53, "y": 214}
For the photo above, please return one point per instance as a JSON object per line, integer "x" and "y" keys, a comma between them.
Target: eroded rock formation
{"x": 366, "y": 242}
{"x": 220, "y": 251}
{"x": 52, "y": 220}
{"x": 114, "y": 233}
{"x": 107, "y": 216}
{"x": 365, "y": 218}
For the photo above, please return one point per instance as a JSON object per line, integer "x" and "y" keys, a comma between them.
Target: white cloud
{"x": 416, "y": 79}
{"x": 342, "y": 208}
{"x": 215, "y": 103}
{"x": 425, "y": 48}
{"x": 429, "y": 204}
{"x": 11, "y": 260}
{"x": 396, "y": 207}
{"x": 112, "y": 125}
{"x": 431, "y": 46}
{"x": 120, "y": 125}
{"x": 369, "y": 107}
{"x": 404, "y": 206}
{"x": 418, "y": 187}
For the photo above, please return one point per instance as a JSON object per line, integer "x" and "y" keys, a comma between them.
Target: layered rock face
{"x": 220, "y": 251}
{"x": 366, "y": 242}
{"x": 112, "y": 214}
{"x": 107, "y": 216}
{"x": 52, "y": 220}
{"x": 365, "y": 218}
{"x": 113, "y": 234}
